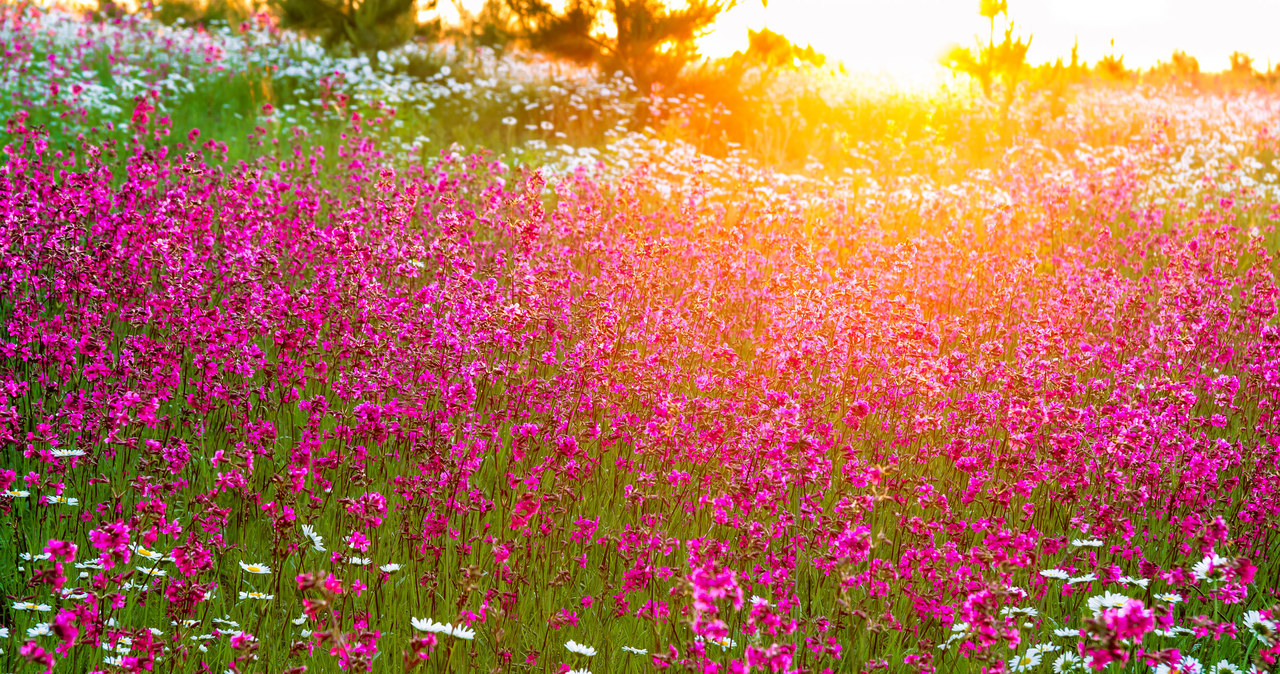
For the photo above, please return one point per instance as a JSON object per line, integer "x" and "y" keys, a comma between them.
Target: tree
{"x": 775, "y": 50}
{"x": 369, "y": 25}
{"x": 646, "y": 39}
{"x": 492, "y": 26}
{"x": 1184, "y": 64}
{"x": 1181, "y": 67}
{"x": 1242, "y": 65}
{"x": 1001, "y": 62}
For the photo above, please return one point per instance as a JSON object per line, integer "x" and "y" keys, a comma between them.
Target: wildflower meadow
{"x": 458, "y": 360}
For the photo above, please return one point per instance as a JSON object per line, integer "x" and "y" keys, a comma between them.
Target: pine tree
{"x": 646, "y": 39}
{"x": 368, "y": 25}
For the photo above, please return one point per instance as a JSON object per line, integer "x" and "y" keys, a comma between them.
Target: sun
{"x": 904, "y": 38}
{"x": 901, "y": 39}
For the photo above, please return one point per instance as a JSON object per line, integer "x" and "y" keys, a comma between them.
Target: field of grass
{"x": 463, "y": 361}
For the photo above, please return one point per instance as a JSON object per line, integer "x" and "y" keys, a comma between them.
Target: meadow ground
{"x": 297, "y": 375}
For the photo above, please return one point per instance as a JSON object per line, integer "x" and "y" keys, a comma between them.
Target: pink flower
{"x": 61, "y": 550}
{"x": 358, "y": 541}
{"x": 32, "y": 652}
{"x": 1131, "y": 621}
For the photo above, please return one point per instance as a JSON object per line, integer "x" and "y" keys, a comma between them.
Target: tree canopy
{"x": 646, "y": 39}
{"x": 368, "y": 25}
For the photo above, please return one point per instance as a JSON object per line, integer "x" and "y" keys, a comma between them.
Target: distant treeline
{"x": 653, "y": 41}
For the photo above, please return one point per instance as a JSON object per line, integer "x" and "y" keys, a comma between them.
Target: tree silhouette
{"x": 1242, "y": 65}
{"x": 1184, "y": 64}
{"x": 368, "y": 25}
{"x": 646, "y": 39}
{"x": 775, "y": 50}
{"x": 1001, "y": 62}
{"x": 1181, "y": 67}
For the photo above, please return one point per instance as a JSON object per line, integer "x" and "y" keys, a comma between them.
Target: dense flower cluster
{"x": 672, "y": 411}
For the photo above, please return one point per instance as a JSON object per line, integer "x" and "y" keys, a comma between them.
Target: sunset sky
{"x": 903, "y": 37}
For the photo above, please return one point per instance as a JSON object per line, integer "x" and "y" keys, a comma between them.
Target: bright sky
{"x": 903, "y": 38}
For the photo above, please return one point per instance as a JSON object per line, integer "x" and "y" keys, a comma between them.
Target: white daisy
{"x": 1168, "y": 597}
{"x": 40, "y": 630}
{"x": 637, "y": 651}
{"x": 1224, "y": 667}
{"x": 261, "y": 569}
{"x": 317, "y": 542}
{"x": 464, "y": 633}
{"x": 390, "y": 568}
{"x": 1173, "y": 632}
{"x": 1066, "y": 632}
{"x": 361, "y": 561}
{"x": 1057, "y": 574}
{"x": 148, "y": 554}
{"x": 722, "y": 643}
{"x": 1188, "y": 665}
{"x": 66, "y": 453}
{"x": 32, "y": 606}
{"x": 158, "y": 573}
{"x": 1086, "y": 578}
{"x": 429, "y": 625}
{"x": 575, "y": 647}
{"x": 1105, "y": 601}
{"x": 1256, "y": 624}
{"x": 1209, "y": 568}
{"x": 63, "y": 500}
{"x": 1087, "y": 543}
{"x": 1043, "y": 649}
{"x": 1130, "y": 580}
{"x": 257, "y": 595}
{"x": 1024, "y": 663}
{"x": 16, "y": 493}
{"x": 1069, "y": 662}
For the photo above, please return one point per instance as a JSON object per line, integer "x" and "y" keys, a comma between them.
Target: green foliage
{"x": 368, "y": 25}
{"x": 646, "y": 39}
{"x": 204, "y": 12}
{"x": 494, "y": 26}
